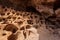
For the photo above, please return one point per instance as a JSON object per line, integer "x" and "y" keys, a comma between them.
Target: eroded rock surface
{"x": 19, "y": 25}
{"x": 29, "y": 20}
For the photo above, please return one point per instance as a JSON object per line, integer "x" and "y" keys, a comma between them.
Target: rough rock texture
{"x": 29, "y": 20}
{"x": 18, "y": 25}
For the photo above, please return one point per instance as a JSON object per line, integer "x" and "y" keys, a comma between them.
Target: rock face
{"x": 29, "y": 20}
{"x": 18, "y": 25}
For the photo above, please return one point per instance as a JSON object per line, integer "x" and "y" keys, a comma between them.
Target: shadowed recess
{"x": 11, "y": 27}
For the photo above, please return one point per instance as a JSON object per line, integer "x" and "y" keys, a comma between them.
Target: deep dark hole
{"x": 14, "y": 30}
{"x": 22, "y": 28}
{"x": 56, "y": 4}
{"x": 29, "y": 21}
{"x": 11, "y": 27}
{"x": 28, "y": 26}
{"x": 4, "y": 34}
{"x": 30, "y": 8}
{"x": 12, "y": 37}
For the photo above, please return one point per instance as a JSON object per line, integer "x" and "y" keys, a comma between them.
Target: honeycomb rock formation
{"x": 29, "y": 20}
{"x": 18, "y": 25}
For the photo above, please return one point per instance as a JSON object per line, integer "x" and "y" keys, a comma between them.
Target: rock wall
{"x": 29, "y": 20}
